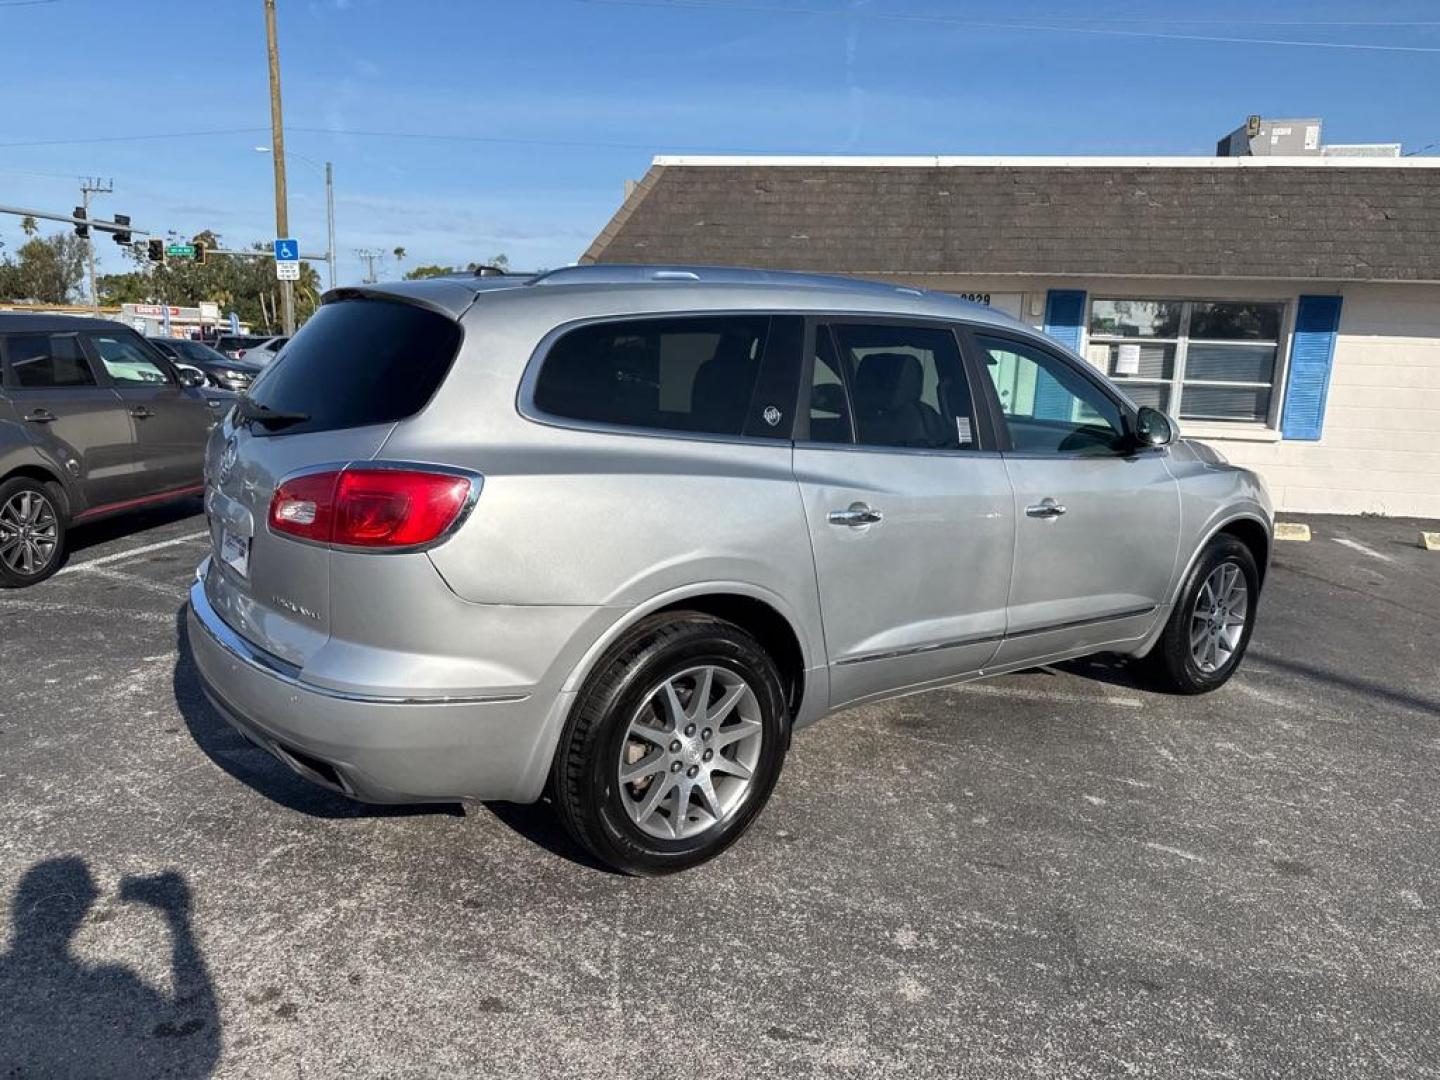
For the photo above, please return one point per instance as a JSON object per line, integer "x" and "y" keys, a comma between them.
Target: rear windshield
{"x": 359, "y": 362}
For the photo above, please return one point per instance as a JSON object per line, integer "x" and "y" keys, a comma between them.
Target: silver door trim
{"x": 957, "y": 643}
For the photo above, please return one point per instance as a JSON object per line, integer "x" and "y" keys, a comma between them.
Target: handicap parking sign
{"x": 287, "y": 250}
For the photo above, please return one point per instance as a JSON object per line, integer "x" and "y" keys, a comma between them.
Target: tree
{"x": 29, "y": 226}
{"x": 429, "y": 271}
{"x": 399, "y": 254}
{"x": 48, "y": 270}
{"x": 246, "y": 286}
{"x": 500, "y": 262}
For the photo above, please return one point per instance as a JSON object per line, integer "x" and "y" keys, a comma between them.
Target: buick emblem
{"x": 227, "y": 459}
{"x": 771, "y": 415}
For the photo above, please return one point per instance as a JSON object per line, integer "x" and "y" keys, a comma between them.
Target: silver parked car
{"x": 615, "y": 532}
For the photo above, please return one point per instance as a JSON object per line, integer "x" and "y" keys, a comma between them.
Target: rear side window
{"x": 907, "y": 386}
{"x": 359, "y": 362}
{"x": 42, "y": 361}
{"x": 693, "y": 374}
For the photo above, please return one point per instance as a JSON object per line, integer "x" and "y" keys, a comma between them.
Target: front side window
{"x": 1199, "y": 360}
{"x": 907, "y": 387}
{"x": 127, "y": 362}
{"x": 691, "y": 374}
{"x": 46, "y": 361}
{"x": 1049, "y": 407}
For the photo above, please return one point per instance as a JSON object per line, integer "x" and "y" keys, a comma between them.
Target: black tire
{"x": 1171, "y": 664}
{"x": 18, "y": 577}
{"x": 587, "y": 791}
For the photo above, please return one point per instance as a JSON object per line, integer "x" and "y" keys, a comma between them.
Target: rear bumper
{"x": 371, "y": 747}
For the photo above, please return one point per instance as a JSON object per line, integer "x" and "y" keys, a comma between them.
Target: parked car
{"x": 266, "y": 351}
{"x": 93, "y": 422}
{"x": 616, "y": 532}
{"x": 219, "y": 369}
{"x": 235, "y": 346}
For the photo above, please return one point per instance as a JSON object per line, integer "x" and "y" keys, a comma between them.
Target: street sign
{"x": 180, "y": 251}
{"x": 287, "y": 271}
{"x": 287, "y": 250}
{"x": 209, "y": 312}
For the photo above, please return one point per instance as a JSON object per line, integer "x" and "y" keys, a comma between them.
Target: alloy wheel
{"x": 29, "y": 533}
{"x": 690, "y": 752}
{"x": 1218, "y": 622}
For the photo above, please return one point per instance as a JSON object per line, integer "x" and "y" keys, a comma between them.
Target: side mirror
{"x": 1153, "y": 427}
{"x": 190, "y": 376}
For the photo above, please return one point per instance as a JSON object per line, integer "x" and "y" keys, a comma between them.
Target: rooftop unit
{"x": 1259, "y": 137}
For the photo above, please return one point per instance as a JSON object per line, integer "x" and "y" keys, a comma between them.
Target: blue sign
{"x": 287, "y": 250}
{"x": 234, "y": 323}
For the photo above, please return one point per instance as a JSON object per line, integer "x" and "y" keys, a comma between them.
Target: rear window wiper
{"x": 271, "y": 419}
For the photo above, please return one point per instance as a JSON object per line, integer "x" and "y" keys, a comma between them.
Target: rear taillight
{"x": 375, "y": 508}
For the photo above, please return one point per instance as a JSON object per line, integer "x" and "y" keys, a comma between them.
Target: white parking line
{"x": 89, "y": 564}
{"x": 170, "y": 592}
{"x": 49, "y": 607}
{"x": 1355, "y": 545}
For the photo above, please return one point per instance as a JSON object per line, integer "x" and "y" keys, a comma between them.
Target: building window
{"x": 1196, "y": 359}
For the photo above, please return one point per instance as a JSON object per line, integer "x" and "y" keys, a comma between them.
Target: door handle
{"x": 40, "y": 416}
{"x": 856, "y": 513}
{"x": 1045, "y": 508}
{"x": 140, "y": 412}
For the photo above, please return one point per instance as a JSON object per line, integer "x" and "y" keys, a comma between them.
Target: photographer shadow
{"x": 64, "y": 1017}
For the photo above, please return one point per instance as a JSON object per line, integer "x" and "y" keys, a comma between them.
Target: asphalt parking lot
{"x": 1054, "y": 874}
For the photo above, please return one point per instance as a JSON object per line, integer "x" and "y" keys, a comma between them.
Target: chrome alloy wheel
{"x": 29, "y": 533}
{"x": 1218, "y": 622}
{"x": 690, "y": 752}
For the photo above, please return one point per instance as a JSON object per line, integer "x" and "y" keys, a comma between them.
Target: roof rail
{"x": 634, "y": 273}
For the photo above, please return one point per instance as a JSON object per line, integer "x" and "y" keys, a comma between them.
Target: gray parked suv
{"x": 613, "y": 533}
{"x": 93, "y": 422}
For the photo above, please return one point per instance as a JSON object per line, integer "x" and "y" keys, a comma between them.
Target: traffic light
{"x": 82, "y": 230}
{"x": 121, "y": 236}
{"x": 156, "y": 250}
{"x": 200, "y": 252}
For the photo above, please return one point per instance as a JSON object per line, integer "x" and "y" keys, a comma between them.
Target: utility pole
{"x": 370, "y": 256}
{"x": 277, "y": 139}
{"x": 330, "y": 220}
{"x": 92, "y": 185}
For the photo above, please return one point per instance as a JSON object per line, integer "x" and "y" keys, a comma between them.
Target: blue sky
{"x": 548, "y": 106}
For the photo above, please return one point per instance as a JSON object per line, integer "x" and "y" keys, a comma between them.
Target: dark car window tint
{"x": 1049, "y": 407}
{"x": 829, "y": 407}
{"x": 47, "y": 360}
{"x": 679, "y": 374}
{"x": 359, "y": 362}
{"x": 907, "y": 386}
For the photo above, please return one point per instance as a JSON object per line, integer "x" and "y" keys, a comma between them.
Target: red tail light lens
{"x": 378, "y": 508}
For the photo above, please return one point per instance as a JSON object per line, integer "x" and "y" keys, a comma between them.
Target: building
{"x": 1285, "y": 309}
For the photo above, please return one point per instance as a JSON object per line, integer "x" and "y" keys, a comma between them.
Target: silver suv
{"x": 614, "y": 533}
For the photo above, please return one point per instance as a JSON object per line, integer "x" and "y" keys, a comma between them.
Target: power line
{"x": 974, "y": 24}
{"x": 133, "y": 138}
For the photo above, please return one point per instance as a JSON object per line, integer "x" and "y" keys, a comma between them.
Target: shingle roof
{"x": 1202, "y": 218}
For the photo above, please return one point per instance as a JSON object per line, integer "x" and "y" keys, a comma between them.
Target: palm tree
{"x": 29, "y": 226}
{"x": 399, "y": 254}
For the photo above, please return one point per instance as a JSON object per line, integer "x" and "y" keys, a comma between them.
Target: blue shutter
{"x": 1064, "y": 320}
{"x": 1312, "y": 353}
